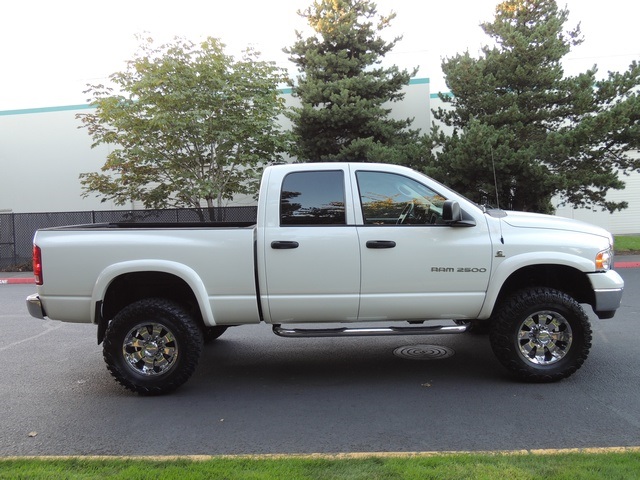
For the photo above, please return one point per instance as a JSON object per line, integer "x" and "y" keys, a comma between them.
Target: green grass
{"x": 627, "y": 244}
{"x": 610, "y": 465}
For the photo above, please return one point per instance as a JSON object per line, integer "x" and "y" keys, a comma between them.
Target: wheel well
{"x": 131, "y": 287}
{"x": 565, "y": 279}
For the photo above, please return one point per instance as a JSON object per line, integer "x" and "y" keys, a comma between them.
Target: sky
{"x": 51, "y": 49}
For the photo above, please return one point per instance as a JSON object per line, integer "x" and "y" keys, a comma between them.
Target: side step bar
{"x": 367, "y": 331}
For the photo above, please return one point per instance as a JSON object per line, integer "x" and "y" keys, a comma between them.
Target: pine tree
{"x": 343, "y": 89}
{"x": 516, "y": 116}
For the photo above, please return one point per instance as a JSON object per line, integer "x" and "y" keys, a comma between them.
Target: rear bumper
{"x": 607, "y": 290}
{"x": 34, "y": 305}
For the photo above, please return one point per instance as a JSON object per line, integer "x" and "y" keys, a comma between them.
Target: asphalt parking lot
{"x": 254, "y": 392}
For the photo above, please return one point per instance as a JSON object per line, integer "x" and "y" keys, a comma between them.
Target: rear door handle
{"x": 381, "y": 244}
{"x": 284, "y": 245}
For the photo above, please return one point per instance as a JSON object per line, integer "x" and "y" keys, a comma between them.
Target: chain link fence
{"x": 17, "y": 229}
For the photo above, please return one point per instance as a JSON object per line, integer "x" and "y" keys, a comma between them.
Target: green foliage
{"x": 188, "y": 125}
{"x": 513, "y": 112}
{"x": 342, "y": 89}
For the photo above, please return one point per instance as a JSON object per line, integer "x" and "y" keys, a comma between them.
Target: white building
{"x": 43, "y": 151}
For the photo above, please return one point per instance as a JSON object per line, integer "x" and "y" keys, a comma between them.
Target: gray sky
{"x": 52, "y": 49}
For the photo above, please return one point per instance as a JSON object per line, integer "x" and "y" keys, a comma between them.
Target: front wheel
{"x": 152, "y": 346}
{"x": 541, "y": 335}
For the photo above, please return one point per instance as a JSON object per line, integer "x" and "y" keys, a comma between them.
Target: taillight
{"x": 37, "y": 264}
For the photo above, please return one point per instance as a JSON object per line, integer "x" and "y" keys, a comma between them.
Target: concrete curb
{"x": 627, "y": 265}
{"x": 328, "y": 456}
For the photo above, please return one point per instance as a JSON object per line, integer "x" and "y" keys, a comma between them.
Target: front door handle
{"x": 284, "y": 245}
{"x": 381, "y": 244}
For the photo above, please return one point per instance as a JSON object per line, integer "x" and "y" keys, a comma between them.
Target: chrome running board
{"x": 367, "y": 331}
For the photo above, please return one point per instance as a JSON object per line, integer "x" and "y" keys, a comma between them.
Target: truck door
{"x": 415, "y": 267}
{"x": 311, "y": 251}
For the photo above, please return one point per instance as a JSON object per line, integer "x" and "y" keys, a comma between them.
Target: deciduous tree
{"x": 189, "y": 125}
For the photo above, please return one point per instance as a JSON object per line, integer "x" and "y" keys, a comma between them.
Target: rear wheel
{"x": 541, "y": 335}
{"x": 152, "y": 346}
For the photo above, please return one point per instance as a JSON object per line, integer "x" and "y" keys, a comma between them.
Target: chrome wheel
{"x": 150, "y": 349}
{"x": 152, "y": 346}
{"x": 544, "y": 338}
{"x": 540, "y": 334}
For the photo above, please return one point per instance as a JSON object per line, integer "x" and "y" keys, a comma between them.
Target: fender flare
{"x": 511, "y": 265}
{"x": 185, "y": 273}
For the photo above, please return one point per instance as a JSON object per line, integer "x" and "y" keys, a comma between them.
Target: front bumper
{"x": 34, "y": 305}
{"x": 607, "y": 289}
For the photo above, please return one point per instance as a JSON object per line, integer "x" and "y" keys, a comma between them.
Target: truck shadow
{"x": 333, "y": 362}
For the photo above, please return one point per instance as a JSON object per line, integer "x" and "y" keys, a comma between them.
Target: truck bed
{"x": 214, "y": 259}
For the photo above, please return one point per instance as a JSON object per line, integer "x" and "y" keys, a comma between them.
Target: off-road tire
{"x": 540, "y": 335}
{"x": 152, "y": 346}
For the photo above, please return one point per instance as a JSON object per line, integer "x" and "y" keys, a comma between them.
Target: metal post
{"x": 13, "y": 238}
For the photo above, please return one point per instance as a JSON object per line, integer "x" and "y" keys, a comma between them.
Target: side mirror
{"x": 451, "y": 211}
{"x": 454, "y": 216}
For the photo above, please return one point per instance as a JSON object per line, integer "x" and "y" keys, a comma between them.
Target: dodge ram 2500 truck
{"x": 343, "y": 243}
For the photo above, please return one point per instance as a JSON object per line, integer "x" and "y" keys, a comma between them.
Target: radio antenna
{"x": 495, "y": 178}
{"x": 495, "y": 184}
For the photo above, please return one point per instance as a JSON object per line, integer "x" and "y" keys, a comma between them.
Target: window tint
{"x": 390, "y": 199}
{"x": 313, "y": 198}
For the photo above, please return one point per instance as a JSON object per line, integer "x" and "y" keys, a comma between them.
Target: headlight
{"x": 604, "y": 260}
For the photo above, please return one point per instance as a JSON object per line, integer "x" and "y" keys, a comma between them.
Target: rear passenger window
{"x": 313, "y": 198}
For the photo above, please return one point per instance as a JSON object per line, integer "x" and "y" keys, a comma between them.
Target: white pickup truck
{"x": 345, "y": 243}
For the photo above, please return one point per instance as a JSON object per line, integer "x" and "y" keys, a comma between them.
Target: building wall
{"x": 43, "y": 152}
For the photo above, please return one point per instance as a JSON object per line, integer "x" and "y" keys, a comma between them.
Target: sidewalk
{"x": 16, "y": 278}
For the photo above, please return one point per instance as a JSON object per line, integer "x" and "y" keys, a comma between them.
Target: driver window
{"x": 391, "y": 199}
